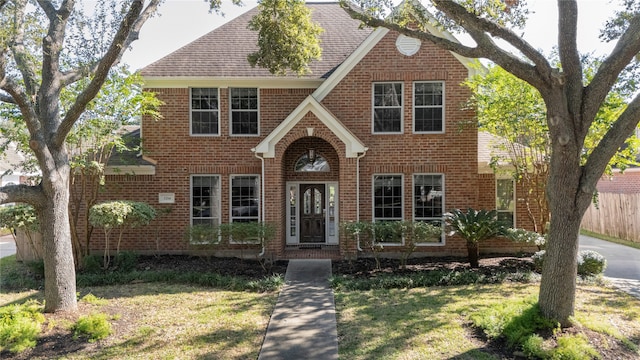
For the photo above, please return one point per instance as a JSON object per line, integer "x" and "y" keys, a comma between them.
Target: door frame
{"x": 292, "y": 220}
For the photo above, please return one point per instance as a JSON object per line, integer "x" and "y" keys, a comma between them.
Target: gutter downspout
{"x": 358, "y": 192}
{"x": 262, "y": 207}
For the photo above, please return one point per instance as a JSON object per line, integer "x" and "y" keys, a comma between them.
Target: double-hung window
{"x": 387, "y": 200}
{"x": 205, "y": 111}
{"x": 205, "y": 204}
{"x": 244, "y": 111}
{"x": 505, "y": 201}
{"x": 245, "y": 199}
{"x": 428, "y": 107}
{"x": 387, "y": 107}
{"x": 428, "y": 199}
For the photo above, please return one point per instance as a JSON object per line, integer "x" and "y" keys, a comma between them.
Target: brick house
{"x": 371, "y": 134}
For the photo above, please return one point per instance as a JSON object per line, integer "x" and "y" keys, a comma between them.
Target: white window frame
{"x": 231, "y": 177}
{"x": 215, "y": 205}
{"x": 231, "y": 111}
{"x": 373, "y": 205}
{"x": 428, "y": 107}
{"x": 413, "y": 207}
{"x": 513, "y": 184}
{"x": 191, "y": 111}
{"x": 373, "y": 108}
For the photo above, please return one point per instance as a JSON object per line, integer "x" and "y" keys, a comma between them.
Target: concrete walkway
{"x": 303, "y": 324}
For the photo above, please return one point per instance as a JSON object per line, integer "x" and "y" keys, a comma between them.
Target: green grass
{"x": 610, "y": 239}
{"x": 436, "y": 322}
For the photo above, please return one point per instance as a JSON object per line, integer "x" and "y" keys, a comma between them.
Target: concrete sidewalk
{"x": 303, "y": 324}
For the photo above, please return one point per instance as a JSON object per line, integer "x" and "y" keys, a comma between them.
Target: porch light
{"x": 311, "y": 155}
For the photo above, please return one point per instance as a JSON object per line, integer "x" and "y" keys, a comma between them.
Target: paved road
{"x": 7, "y": 246}
{"x": 623, "y": 263}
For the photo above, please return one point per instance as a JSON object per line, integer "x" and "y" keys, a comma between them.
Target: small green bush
{"x": 20, "y": 326}
{"x": 533, "y": 347}
{"x": 94, "y": 327}
{"x": 126, "y": 261}
{"x": 92, "y": 264}
{"x": 538, "y": 259}
{"x": 591, "y": 263}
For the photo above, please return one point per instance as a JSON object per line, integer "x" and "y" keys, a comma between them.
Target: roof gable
{"x": 353, "y": 146}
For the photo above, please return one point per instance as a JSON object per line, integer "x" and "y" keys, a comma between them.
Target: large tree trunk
{"x": 568, "y": 201}
{"x": 59, "y": 270}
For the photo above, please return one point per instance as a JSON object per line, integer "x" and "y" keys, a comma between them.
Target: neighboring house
{"x": 373, "y": 133}
{"x": 11, "y": 172}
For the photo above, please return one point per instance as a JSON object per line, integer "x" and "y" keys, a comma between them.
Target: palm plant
{"x": 474, "y": 226}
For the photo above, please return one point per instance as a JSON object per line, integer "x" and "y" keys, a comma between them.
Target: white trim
{"x": 210, "y": 110}
{"x": 354, "y": 59}
{"x": 130, "y": 170}
{"x": 443, "y": 107}
{"x": 218, "y": 205}
{"x": 413, "y": 207}
{"x": 373, "y": 204}
{"x": 222, "y": 82}
{"x": 373, "y": 108}
{"x": 295, "y": 239}
{"x": 256, "y": 110}
{"x": 231, "y": 176}
{"x": 353, "y": 145}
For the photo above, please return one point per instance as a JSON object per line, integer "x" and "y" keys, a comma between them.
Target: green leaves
{"x": 115, "y": 214}
{"x": 20, "y": 217}
{"x": 474, "y": 225}
{"x": 287, "y": 38}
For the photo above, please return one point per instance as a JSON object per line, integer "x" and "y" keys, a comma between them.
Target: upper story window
{"x": 244, "y": 111}
{"x": 205, "y": 111}
{"x": 428, "y": 107}
{"x": 505, "y": 201}
{"x": 387, "y": 107}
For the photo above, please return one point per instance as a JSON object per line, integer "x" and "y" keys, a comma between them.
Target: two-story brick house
{"x": 373, "y": 133}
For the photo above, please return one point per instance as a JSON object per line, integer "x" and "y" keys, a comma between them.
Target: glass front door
{"x": 312, "y": 213}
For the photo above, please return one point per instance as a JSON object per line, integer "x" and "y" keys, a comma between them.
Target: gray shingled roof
{"x": 223, "y": 51}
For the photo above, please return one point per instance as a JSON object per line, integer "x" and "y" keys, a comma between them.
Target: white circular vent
{"x": 408, "y": 45}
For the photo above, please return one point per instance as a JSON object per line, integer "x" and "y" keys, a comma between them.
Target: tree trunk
{"x": 59, "y": 270}
{"x": 568, "y": 201}
{"x": 473, "y": 252}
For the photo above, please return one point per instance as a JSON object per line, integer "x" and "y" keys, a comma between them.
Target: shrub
{"x": 20, "y": 326}
{"x": 591, "y": 263}
{"x": 126, "y": 261}
{"x": 574, "y": 347}
{"x": 527, "y": 237}
{"x": 538, "y": 259}
{"x": 94, "y": 327}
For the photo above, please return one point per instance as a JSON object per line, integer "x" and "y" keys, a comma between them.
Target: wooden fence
{"x": 617, "y": 215}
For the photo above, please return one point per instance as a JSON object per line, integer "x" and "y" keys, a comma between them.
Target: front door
{"x": 312, "y": 213}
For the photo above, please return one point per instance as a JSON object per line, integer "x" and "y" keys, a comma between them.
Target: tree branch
{"x": 627, "y": 47}
{"x": 28, "y": 194}
{"x": 571, "y": 63}
{"x": 127, "y": 33}
{"x": 27, "y": 68}
{"x": 619, "y": 131}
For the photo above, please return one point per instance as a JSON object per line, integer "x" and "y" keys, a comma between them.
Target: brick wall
{"x": 627, "y": 182}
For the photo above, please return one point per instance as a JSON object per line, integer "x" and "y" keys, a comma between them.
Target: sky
{"x": 182, "y": 21}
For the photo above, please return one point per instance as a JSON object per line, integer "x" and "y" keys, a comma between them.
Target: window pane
{"x": 504, "y": 194}
{"x": 428, "y": 103}
{"x": 428, "y": 194}
{"x": 244, "y": 198}
{"x": 387, "y": 107}
{"x": 204, "y": 111}
{"x": 204, "y": 200}
{"x": 387, "y": 197}
{"x": 244, "y": 111}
